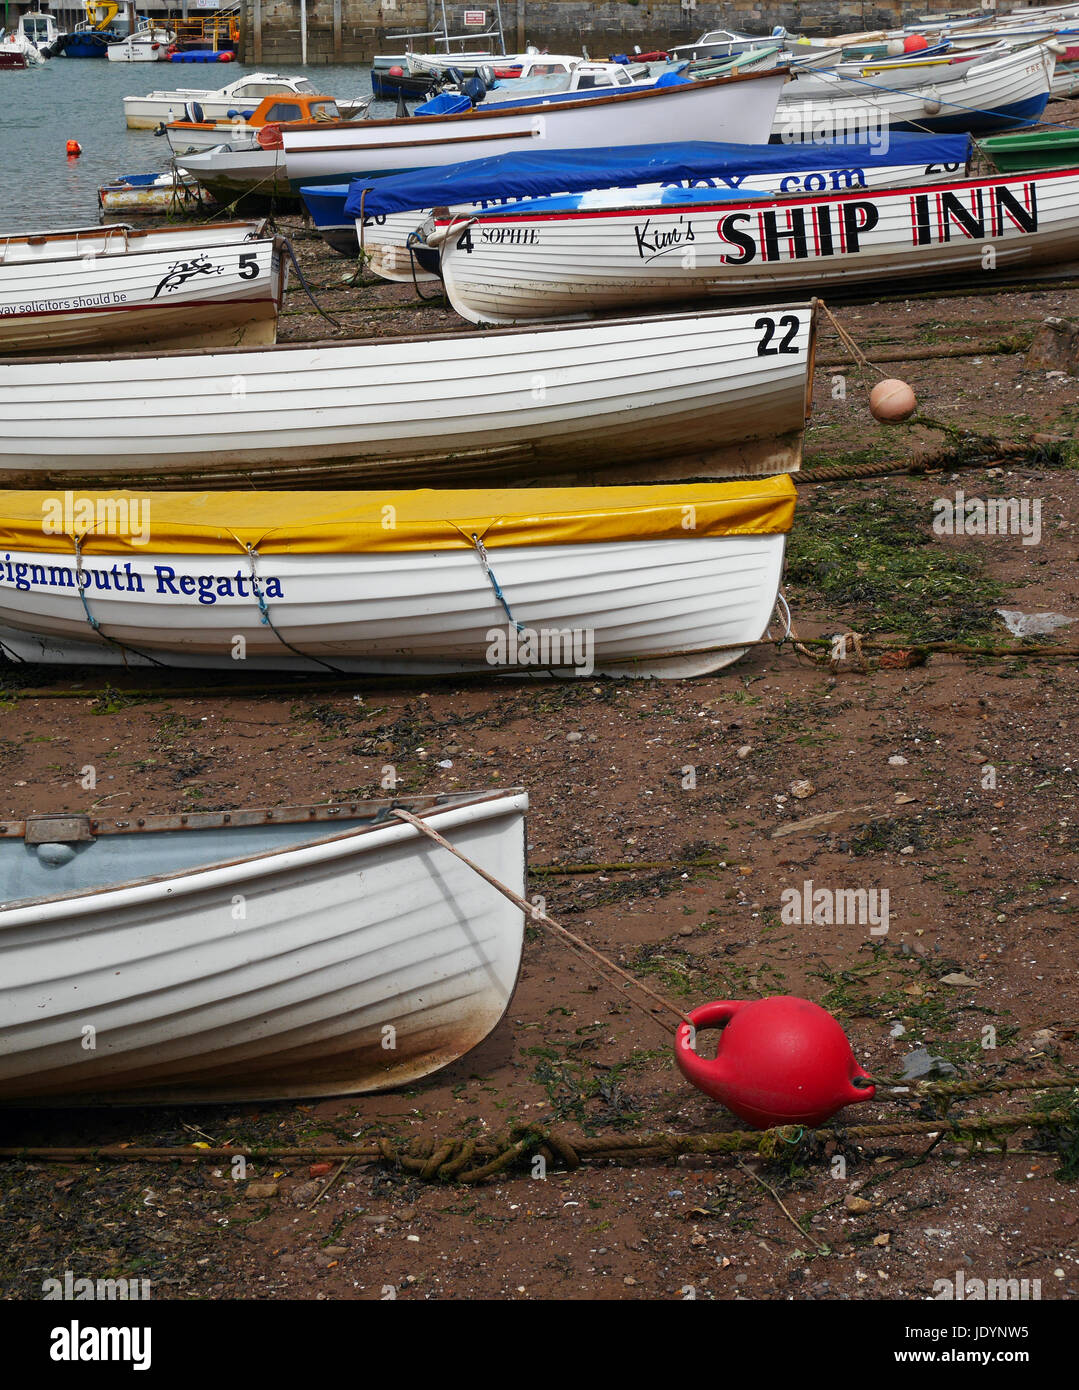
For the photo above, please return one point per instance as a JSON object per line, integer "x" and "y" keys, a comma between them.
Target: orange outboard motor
{"x": 780, "y": 1061}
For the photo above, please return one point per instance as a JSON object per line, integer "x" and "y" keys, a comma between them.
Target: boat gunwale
{"x": 770, "y": 201}
{"x": 89, "y": 896}
{"x": 104, "y": 229}
{"x": 453, "y": 335}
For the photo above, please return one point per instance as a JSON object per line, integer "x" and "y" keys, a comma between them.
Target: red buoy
{"x": 914, "y": 43}
{"x": 780, "y": 1061}
{"x": 397, "y": 70}
{"x": 74, "y": 149}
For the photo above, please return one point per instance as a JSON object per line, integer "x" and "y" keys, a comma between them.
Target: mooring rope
{"x": 94, "y": 623}
{"x": 264, "y": 617}
{"x": 535, "y": 913}
{"x": 474, "y": 1160}
{"x": 481, "y": 552}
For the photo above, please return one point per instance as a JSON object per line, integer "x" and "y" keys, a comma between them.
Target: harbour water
{"x": 66, "y": 99}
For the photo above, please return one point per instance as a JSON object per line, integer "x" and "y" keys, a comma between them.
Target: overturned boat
{"x": 252, "y": 955}
{"x": 216, "y": 284}
{"x": 679, "y": 396}
{"x": 670, "y": 580}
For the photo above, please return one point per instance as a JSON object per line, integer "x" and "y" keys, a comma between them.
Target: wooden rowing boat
{"x": 684, "y": 395}
{"x": 671, "y": 580}
{"x": 549, "y": 259}
{"x": 253, "y": 955}
{"x": 213, "y": 285}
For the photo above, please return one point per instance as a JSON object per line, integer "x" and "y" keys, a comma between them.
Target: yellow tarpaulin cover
{"x": 220, "y": 523}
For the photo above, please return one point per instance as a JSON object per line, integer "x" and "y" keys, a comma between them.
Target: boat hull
{"x": 353, "y": 963}
{"x": 996, "y": 94}
{"x": 737, "y": 109}
{"x": 386, "y": 238}
{"x": 523, "y": 268}
{"x": 662, "y": 607}
{"x": 222, "y": 294}
{"x": 230, "y": 174}
{"x": 629, "y": 400}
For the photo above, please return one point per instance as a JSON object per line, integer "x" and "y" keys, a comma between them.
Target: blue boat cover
{"x": 540, "y": 173}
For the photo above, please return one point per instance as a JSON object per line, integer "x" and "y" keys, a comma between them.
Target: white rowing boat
{"x": 669, "y": 580}
{"x": 993, "y": 94}
{"x": 199, "y": 103}
{"x": 685, "y": 395}
{"x": 386, "y": 240}
{"x": 229, "y": 173}
{"x": 550, "y": 259}
{"x": 253, "y": 955}
{"x": 737, "y": 109}
{"x": 211, "y": 285}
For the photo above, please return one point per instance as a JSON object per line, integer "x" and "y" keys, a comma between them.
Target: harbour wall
{"x": 353, "y": 31}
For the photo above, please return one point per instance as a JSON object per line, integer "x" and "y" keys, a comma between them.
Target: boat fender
{"x": 1054, "y": 46}
{"x": 397, "y": 70}
{"x": 55, "y": 856}
{"x": 892, "y": 401}
{"x": 931, "y": 104}
{"x": 270, "y": 137}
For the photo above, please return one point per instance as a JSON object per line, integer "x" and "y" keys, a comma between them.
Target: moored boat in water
{"x": 364, "y": 956}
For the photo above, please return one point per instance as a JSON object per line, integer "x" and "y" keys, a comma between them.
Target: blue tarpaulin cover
{"x": 539, "y": 173}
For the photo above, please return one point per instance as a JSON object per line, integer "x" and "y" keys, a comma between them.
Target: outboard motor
{"x": 454, "y": 77}
{"x": 487, "y": 74}
{"x": 475, "y": 89}
{"x": 193, "y": 111}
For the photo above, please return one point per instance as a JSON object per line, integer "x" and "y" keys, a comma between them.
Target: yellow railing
{"x": 212, "y": 30}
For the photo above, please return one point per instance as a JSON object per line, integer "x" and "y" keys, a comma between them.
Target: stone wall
{"x": 351, "y": 31}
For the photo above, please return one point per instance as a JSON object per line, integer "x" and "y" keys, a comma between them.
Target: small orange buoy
{"x": 73, "y": 148}
{"x": 891, "y": 401}
{"x": 914, "y": 43}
